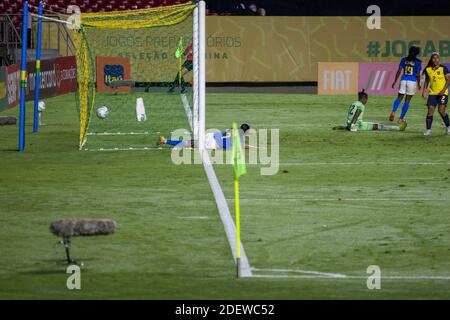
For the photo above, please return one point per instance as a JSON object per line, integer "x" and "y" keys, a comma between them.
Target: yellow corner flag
{"x": 238, "y": 157}
{"x": 238, "y": 154}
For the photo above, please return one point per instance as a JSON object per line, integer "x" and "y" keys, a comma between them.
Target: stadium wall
{"x": 58, "y": 76}
{"x": 273, "y": 49}
{"x": 286, "y": 49}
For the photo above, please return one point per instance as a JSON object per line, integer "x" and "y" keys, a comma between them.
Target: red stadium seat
{"x": 60, "y": 6}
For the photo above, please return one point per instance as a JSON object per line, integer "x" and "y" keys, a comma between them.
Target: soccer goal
{"x": 141, "y": 75}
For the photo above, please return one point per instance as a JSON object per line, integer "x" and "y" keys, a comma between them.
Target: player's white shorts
{"x": 210, "y": 142}
{"x": 408, "y": 87}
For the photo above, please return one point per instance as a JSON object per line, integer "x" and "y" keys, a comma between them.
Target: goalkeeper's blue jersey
{"x": 225, "y": 139}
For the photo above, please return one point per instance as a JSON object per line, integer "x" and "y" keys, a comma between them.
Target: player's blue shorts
{"x": 437, "y": 100}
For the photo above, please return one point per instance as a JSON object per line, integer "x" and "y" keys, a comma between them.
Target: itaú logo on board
{"x": 113, "y": 72}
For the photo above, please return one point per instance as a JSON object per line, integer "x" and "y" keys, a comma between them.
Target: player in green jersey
{"x": 355, "y": 114}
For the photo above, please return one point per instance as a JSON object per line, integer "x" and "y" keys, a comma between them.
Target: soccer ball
{"x": 41, "y": 106}
{"x": 102, "y": 112}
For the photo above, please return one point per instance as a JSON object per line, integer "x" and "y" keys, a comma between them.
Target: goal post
{"x": 202, "y": 74}
{"x": 138, "y": 47}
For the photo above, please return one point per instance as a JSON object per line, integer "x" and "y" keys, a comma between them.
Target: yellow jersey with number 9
{"x": 437, "y": 79}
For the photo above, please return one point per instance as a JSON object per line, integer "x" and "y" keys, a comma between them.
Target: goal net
{"x": 137, "y": 76}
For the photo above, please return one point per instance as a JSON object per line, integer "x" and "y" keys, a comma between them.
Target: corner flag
{"x": 178, "y": 55}
{"x": 238, "y": 157}
{"x": 180, "y": 48}
{"x": 238, "y": 154}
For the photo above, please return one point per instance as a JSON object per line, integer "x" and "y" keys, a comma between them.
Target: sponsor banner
{"x": 66, "y": 75}
{"x": 3, "y": 89}
{"x": 271, "y": 49}
{"x": 58, "y": 76}
{"x": 112, "y": 69}
{"x": 377, "y": 78}
{"x": 337, "y": 78}
{"x": 48, "y": 79}
{"x": 290, "y": 48}
{"x": 445, "y": 64}
{"x": 13, "y": 84}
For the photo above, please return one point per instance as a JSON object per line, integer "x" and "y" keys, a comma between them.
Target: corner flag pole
{"x": 238, "y": 225}
{"x": 239, "y": 170}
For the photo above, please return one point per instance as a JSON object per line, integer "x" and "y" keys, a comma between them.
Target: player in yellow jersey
{"x": 438, "y": 77}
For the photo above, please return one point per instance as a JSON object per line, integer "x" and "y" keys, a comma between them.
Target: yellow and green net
{"x": 148, "y": 38}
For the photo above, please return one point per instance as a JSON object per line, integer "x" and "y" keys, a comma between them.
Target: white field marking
{"x": 124, "y": 149}
{"x": 187, "y": 108}
{"x": 338, "y": 199}
{"x": 124, "y": 133}
{"x": 308, "y": 272}
{"x": 195, "y": 218}
{"x": 285, "y": 276}
{"x": 221, "y": 203}
{"x": 406, "y": 278}
{"x": 118, "y": 133}
{"x": 388, "y": 163}
{"x": 225, "y": 215}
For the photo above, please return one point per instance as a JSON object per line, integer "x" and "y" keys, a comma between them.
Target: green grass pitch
{"x": 340, "y": 202}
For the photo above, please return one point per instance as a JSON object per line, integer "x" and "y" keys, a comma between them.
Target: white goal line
{"x": 316, "y": 277}
{"x": 388, "y": 163}
{"x": 187, "y": 109}
{"x": 340, "y": 199}
{"x": 118, "y": 133}
{"x": 124, "y": 149}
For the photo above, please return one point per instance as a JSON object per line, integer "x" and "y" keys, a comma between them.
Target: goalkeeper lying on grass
{"x": 355, "y": 121}
{"x": 213, "y": 140}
